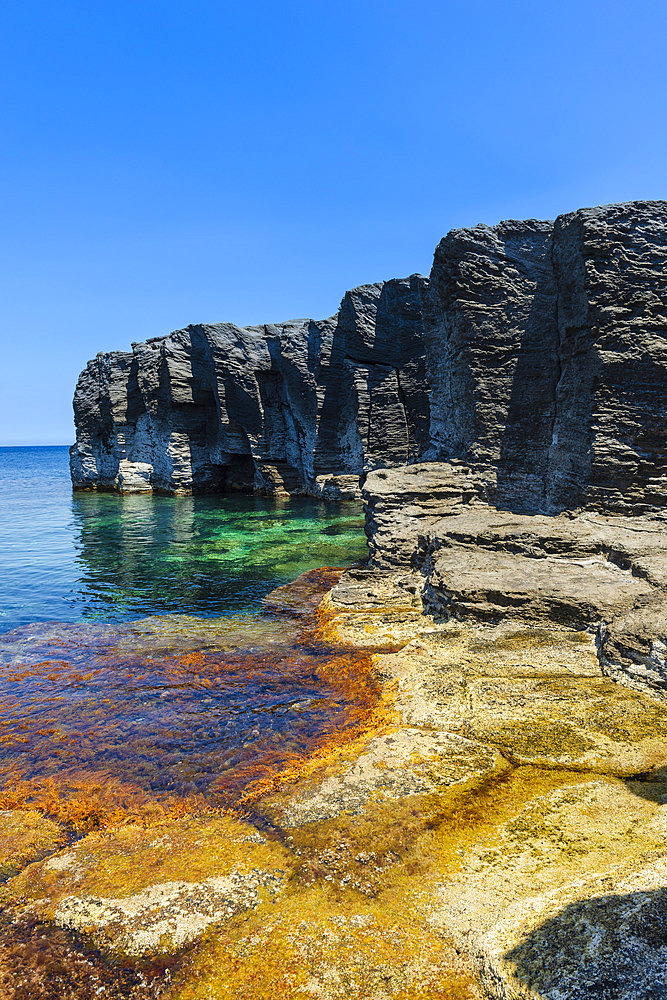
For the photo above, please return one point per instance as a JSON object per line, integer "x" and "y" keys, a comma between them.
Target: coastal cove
{"x": 92, "y": 557}
{"x": 171, "y": 674}
{"x": 258, "y": 743}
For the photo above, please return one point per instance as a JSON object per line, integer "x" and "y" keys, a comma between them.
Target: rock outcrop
{"x": 536, "y": 355}
{"x": 547, "y": 353}
{"x": 544, "y": 495}
{"x": 298, "y": 407}
{"x": 472, "y": 561}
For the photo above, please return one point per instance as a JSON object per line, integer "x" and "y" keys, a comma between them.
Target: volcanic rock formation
{"x": 536, "y": 354}
{"x": 298, "y": 407}
{"x": 547, "y": 358}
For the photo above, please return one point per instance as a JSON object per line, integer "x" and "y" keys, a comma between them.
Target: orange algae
{"x": 99, "y": 724}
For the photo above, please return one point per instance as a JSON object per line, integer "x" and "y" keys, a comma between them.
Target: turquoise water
{"x": 74, "y": 557}
{"x": 136, "y": 655}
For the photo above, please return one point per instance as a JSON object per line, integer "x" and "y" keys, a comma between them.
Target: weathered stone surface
{"x": 547, "y": 869}
{"x": 536, "y": 355}
{"x": 317, "y": 944}
{"x": 502, "y": 816}
{"x": 550, "y": 877}
{"x": 567, "y": 896}
{"x": 536, "y": 694}
{"x": 402, "y": 763}
{"x": 304, "y": 406}
{"x": 145, "y": 891}
{"x": 25, "y": 836}
{"x": 547, "y": 353}
{"x": 472, "y": 560}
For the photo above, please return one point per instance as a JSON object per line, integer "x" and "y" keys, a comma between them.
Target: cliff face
{"x": 304, "y": 406}
{"x": 536, "y": 355}
{"x": 547, "y": 348}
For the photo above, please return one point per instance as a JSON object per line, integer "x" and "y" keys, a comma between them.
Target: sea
{"x": 140, "y": 661}
{"x": 80, "y": 557}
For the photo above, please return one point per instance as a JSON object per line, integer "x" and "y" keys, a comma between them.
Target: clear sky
{"x": 175, "y": 161}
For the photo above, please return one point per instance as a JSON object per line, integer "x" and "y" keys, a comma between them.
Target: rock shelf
{"x": 498, "y": 831}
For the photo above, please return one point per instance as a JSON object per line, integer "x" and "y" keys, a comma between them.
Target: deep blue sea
{"x": 75, "y": 557}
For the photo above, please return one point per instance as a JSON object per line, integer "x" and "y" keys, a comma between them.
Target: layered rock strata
{"x": 298, "y": 407}
{"x": 547, "y": 357}
{"x": 535, "y": 354}
{"x": 472, "y": 561}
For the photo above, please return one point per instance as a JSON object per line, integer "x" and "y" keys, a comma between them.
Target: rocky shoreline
{"x": 497, "y": 829}
{"x": 603, "y": 574}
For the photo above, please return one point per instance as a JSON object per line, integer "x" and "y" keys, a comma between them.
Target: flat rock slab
{"x": 393, "y": 766}
{"x": 591, "y": 723}
{"x": 537, "y": 695}
{"x": 567, "y": 897}
{"x": 144, "y": 891}
{"x": 488, "y": 585}
{"x": 316, "y": 944}
{"x": 167, "y": 915}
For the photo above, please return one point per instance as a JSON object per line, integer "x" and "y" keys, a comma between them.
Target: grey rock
{"x": 536, "y": 355}
{"x": 298, "y": 407}
{"x": 471, "y": 560}
{"x": 547, "y": 353}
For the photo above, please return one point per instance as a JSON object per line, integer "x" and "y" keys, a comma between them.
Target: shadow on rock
{"x": 611, "y": 947}
{"x": 651, "y": 785}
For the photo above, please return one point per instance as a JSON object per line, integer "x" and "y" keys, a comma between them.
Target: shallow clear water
{"x": 99, "y": 557}
{"x": 137, "y": 658}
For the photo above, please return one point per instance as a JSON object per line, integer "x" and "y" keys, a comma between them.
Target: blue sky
{"x": 173, "y": 162}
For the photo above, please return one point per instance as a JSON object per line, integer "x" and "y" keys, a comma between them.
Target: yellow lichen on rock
{"x": 487, "y": 795}
{"x": 140, "y": 890}
{"x": 316, "y": 943}
{"x": 24, "y": 837}
{"x": 539, "y": 696}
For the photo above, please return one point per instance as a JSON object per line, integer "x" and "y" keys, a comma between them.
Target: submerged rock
{"x": 25, "y": 836}
{"x": 146, "y": 891}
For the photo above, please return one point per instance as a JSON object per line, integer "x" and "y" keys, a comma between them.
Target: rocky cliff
{"x": 547, "y": 358}
{"x": 305, "y": 406}
{"x": 536, "y": 355}
{"x": 545, "y": 496}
